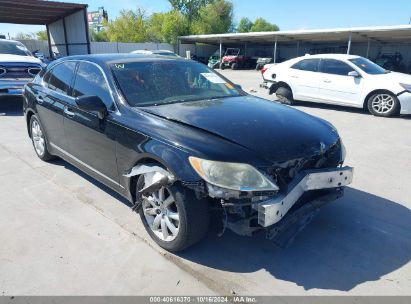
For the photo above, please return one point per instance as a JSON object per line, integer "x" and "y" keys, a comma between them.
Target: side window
{"x": 60, "y": 77}
{"x": 336, "y": 67}
{"x": 91, "y": 82}
{"x": 310, "y": 65}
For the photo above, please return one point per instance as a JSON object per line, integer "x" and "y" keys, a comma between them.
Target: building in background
{"x": 96, "y": 19}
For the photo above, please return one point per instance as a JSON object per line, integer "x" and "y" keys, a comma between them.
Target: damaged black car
{"x": 183, "y": 143}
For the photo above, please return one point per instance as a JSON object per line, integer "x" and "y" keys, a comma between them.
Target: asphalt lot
{"x": 61, "y": 232}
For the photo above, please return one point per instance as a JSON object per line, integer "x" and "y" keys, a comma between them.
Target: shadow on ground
{"x": 11, "y": 106}
{"x": 357, "y": 239}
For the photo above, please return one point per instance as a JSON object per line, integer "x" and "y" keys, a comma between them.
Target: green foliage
{"x": 41, "y": 35}
{"x": 262, "y": 25}
{"x": 245, "y": 25}
{"x": 166, "y": 27}
{"x": 130, "y": 26}
{"x": 189, "y": 8}
{"x": 214, "y": 18}
{"x": 99, "y": 36}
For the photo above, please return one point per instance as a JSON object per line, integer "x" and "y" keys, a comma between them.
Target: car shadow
{"x": 304, "y": 104}
{"x": 108, "y": 190}
{"x": 11, "y": 106}
{"x": 359, "y": 238}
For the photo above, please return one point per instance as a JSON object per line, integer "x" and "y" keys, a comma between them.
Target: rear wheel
{"x": 222, "y": 66}
{"x": 284, "y": 95}
{"x": 234, "y": 66}
{"x": 173, "y": 216}
{"x": 383, "y": 104}
{"x": 39, "y": 140}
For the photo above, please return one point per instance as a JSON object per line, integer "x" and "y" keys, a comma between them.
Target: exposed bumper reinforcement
{"x": 273, "y": 210}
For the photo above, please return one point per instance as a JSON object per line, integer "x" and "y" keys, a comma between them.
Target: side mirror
{"x": 92, "y": 104}
{"x": 238, "y": 86}
{"x": 354, "y": 74}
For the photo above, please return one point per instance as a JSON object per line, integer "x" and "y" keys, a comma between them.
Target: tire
{"x": 193, "y": 214}
{"x": 39, "y": 139}
{"x": 383, "y": 104}
{"x": 222, "y": 66}
{"x": 284, "y": 95}
{"x": 234, "y": 66}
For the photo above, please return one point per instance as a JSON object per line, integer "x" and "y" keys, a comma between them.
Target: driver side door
{"x": 91, "y": 141}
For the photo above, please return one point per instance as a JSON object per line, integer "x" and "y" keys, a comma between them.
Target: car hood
{"x": 395, "y": 77}
{"x": 17, "y": 58}
{"x": 273, "y": 131}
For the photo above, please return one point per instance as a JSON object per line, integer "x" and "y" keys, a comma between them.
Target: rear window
{"x": 310, "y": 65}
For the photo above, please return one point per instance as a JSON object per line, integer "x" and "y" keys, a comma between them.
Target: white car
{"x": 346, "y": 80}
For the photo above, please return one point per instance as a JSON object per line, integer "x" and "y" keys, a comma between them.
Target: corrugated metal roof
{"x": 396, "y": 33}
{"x": 36, "y": 11}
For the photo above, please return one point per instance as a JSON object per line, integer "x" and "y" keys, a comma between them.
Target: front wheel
{"x": 383, "y": 104}
{"x": 173, "y": 216}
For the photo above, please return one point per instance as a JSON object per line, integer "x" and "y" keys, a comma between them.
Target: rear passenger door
{"x": 91, "y": 141}
{"x": 51, "y": 100}
{"x": 335, "y": 84}
{"x": 304, "y": 79}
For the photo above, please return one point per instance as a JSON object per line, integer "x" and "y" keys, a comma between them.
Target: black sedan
{"x": 181, "y": 142}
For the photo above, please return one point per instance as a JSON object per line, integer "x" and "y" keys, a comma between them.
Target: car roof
{"x": 332, "y": 56}
{"x": 118, "y": 58}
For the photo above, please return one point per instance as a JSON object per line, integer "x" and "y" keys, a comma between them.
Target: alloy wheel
{"x": 161, "y": 214}
{"x": 382, "y": 103}
{"x": 38, "y": 138}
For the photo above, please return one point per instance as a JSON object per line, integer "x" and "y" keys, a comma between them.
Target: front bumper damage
{"x": 273, "y": 210}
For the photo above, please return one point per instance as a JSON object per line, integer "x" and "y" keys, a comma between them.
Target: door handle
{"x": 68, "y": 112}
{"x": 294, "y": 76}
{"x": 39, "y": 99}
{"x": 327, "y": 80}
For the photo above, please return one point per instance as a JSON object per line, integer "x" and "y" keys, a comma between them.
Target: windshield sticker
{"x": 119, "y": 65}
{"x": 214, "y": 78}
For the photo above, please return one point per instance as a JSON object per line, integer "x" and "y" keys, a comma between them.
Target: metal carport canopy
{"x": 400, "y": 33}
{"x": 66, "y": 23}
{"x": 36, "y": 11}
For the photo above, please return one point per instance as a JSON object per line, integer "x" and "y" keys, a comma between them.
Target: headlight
{"x": 406, "y": 87}
{"x": 234, "y": 176}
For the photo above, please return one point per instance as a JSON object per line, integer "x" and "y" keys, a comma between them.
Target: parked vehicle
{"x": 17, "y": 67}
{"x": 179, "y": 140}
{"x": 214, "y": 61}
{"x": 156, "y": 52}
{"x": 234, "y": 60}
{"x": 346, "y": 80}
{"x": 389, "y": 61}
{"x": 262, "y": 61}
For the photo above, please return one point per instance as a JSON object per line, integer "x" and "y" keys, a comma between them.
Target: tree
{"x": 214, "y": 18}
{"x": 189, "y": 8}
{"x": 130, "y": 26}
{"x": 245, "y": 25}
{"x": 166, "y": 27}
{"x": 24, "y": 36}
{"x": 99, "y": 36}
{"x": 262, "y": 25}
{"x": 41, "y": 35}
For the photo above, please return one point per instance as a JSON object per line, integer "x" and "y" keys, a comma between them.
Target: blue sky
{"x": 287, "y": 14}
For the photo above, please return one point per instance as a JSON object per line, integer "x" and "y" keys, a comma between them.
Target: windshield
{"x": 159, "y": 82}
{"x": 368, "y": 66}
{"x": 13, "y": 48}
{"x": 165, "y": 54}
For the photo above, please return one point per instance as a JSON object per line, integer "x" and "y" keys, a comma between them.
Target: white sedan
{"x": 339, "y": 79}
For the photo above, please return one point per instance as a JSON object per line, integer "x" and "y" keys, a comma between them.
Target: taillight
{"x": 263, "y": 71}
